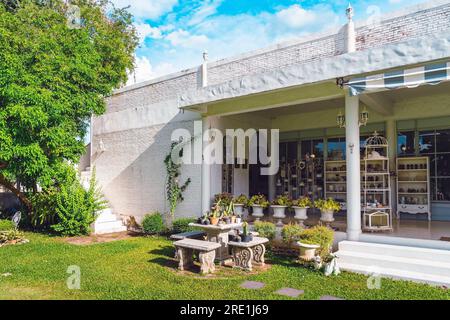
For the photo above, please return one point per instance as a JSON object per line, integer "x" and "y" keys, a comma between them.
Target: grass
{"x": 142, "y": 268}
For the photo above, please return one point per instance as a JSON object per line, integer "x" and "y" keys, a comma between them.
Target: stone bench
{"x": 207, "y": 254}
{"x": 245, "y": 253}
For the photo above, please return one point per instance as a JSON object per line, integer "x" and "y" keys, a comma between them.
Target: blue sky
{"x": 174, "y": 33}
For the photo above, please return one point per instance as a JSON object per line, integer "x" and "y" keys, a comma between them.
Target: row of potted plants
{"x": 259, "y": 202}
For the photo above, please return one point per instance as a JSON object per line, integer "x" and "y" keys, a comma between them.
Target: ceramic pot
{"x": 214, "y": 221}
{"x": 239, "y": 210}
{"x": 301, "y": 214}
{"x": 279, "y": 213}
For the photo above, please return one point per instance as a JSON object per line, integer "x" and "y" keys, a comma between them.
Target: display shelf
{"x": 413, "y": 186}
{"x": 377, "y": 209}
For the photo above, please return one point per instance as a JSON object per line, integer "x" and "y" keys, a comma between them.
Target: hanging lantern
{"x": 364, "y": 117}
{"x": 341, "y": 120}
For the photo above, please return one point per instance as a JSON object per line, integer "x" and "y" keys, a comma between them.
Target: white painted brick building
{"x": 131, "y": 140}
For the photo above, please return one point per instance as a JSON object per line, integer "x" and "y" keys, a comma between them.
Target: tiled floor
{"x": 434, "y": 230}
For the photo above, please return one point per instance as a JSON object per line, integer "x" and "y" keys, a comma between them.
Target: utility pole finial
{"x": 350, "y": 13}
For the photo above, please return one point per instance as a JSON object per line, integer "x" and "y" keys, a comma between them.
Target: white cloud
{"x": 205, "y": 10}
{"x": 148, "y": 9}
{"x": 145, "y": 30}
{"x": 144, "y": 70}
{"x": 296, "y": 17}
{"x": 183, "y": 38}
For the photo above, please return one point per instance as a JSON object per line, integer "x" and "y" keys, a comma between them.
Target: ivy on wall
{"x": 174, "y": 189}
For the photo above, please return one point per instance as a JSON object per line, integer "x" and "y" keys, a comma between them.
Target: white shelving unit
{"x": 413, "y": 186}
{"x": 336, "y": 181}
{"x": 376, "y": 187}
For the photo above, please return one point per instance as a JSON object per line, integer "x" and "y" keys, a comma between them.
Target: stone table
{"x": 219, "y": 234}
{"x": 245, "y": 253}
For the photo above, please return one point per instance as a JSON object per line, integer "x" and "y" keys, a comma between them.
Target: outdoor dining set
{"x": 219, "y": 243}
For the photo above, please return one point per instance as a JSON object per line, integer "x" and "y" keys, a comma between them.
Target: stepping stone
{"x": 331, "y": 298}
{"x": 289, "y": 292}
{"x": 253, "y": 285}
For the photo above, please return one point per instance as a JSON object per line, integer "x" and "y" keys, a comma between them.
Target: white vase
{"x": 308, "y": 251}
{"x": 301, "y": 214}
{"x": 279, "y": 213}
{"x": 258, "y": 212}
{"x": 327, "y": 216}
{"x": 239, "y": 210}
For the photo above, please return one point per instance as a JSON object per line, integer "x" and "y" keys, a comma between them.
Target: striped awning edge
{"x": 431, "y": 74}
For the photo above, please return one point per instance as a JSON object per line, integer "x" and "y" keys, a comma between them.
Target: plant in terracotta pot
{"x": 301, "y": 207}
{"x": 316, "y": 241}
{"x": 258, "y": 203}
{"x": 216, "y": 215}
{"x": 239, "y": 205}
{"x": 327, "y": 208}
{"x": 279, "y": 206}
{"x": 228, "y": 214}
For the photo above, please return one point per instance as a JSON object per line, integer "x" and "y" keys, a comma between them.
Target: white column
{"x": 353, "y": 168}
{"x": 204, "y": 69}
{"x": 206, "y": 170}
{"x": 391, "y": 136}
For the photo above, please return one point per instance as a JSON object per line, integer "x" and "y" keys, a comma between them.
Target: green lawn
{"x": 142, "y": 268}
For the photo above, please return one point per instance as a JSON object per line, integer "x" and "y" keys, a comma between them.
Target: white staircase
{"x": 107, "y": 222}
{"x": 397, "y": 262}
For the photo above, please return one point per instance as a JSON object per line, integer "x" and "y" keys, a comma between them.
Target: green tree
{"x": 57, "y": 64}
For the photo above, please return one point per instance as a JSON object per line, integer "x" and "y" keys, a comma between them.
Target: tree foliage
{"x": 55, "y": 71}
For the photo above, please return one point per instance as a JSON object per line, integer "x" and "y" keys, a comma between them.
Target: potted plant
{"x": 239, "y": 205}
{"x": 315, "y": 241}
{"x": 216, "y": 215}
{"x": 279, "y": 206}
{"x": 224, "y": 199}
{"x": 327, "y": 208}
{"x": 228, "y": 214}
{"x": 301, "y": 207}
{"x": 246, "y": 236}
{"x": 258, "y": 203}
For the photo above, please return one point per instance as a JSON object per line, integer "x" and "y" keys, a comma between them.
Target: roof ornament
{"x": 350, "y": 12}
{"x": 205, "y": 56}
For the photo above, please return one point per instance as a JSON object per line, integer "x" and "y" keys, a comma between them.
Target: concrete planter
{"x": 258, "y": 212}
{"x": 301, "y": 214}
{"x": 308, "y": 251}
{"x": 279, "y": 212}
{"x": 327, "y": 216}
{"x": 239, "y": 210}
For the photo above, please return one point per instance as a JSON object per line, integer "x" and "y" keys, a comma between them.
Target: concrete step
{"x": 396, "y": 251}
{"x": 398, "y": 263}
{"x": 106, "y": 216}
{"x": 398, "y": 274}
{"x": 109, "y": 227}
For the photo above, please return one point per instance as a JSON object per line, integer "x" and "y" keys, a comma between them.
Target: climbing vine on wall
{"x": 174, "y": 190}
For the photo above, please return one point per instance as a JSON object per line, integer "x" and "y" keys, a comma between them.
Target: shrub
{"x": 291, "y": 233}
{"x": 182, "y": 225}
{"x": 327, "y": 205}
{"x": 283, "y": 201}
{"x": 6, "y": 225}
{"x": 11, "y": 236}
{"x": 153, "y": 223}
{"x": 258, "y": 200}
{"x": 242, "y": 199}
{"x": 76, "y": 208}
{"x": 224, "y": 198}
{"x": 319, "y": 235}
{"x": 303, "y": 202}
{"x": 265, "y": 229}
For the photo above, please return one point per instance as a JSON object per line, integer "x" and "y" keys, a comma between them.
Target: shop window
{"x": 436, "y": 145}
{"x": 406, "y": 144}
{"x": 427, "y": 142}
{"x": 315, "y": 147}
{"x": 336, "y": 149}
